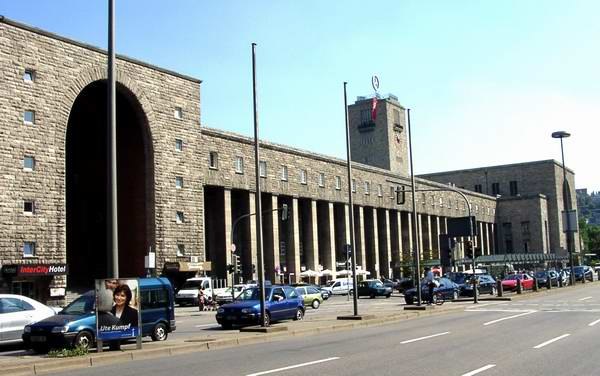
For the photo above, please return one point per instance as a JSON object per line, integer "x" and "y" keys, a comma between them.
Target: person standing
{"x": 429, "y": 280}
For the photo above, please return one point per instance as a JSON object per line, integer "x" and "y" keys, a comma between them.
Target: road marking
{"x": 204, "y": 325}
{"x": 484, "y": 368}
{"x": 586, "y": 298}
{"x": 422, "y": 338}
{"x": 496, "y": 310}
{"x": 550, "y": 341}
{"x": 294, "y": 366}
{"x": 509, "y": 317}
{"x": 594, "y": 323}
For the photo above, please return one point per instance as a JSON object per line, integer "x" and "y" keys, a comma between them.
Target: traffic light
{"x": 237, "y": 263}
{"x": 284, "y": 212}
{"x": 469, "y": 249}
{"x": 253, "y": 268}
{"x": 230, "y": 268}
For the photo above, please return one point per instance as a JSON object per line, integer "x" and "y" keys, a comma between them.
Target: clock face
{"x": 375, "y": 82}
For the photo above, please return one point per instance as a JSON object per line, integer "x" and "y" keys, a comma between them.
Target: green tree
{"x": 590, "y": 235}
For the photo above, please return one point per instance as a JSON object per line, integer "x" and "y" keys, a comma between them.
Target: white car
{"x": 16, "y": 311}
{"x": 339, "y": 286}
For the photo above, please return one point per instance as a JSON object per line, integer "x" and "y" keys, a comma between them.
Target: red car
{"x": 510, "y": 282}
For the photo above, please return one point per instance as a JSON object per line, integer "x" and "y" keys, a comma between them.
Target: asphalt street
{"x": 549, "y": 334}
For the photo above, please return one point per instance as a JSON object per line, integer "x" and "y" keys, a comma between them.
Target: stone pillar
{"x": 407, "y": 239}
{"x": 347, "y": 223}
{"x": 361, "y": 255}
{"x": 486, "y": 229}
{"x": 375, "y": 249}
{"x": 330, "y": 253}
{"x": 311, "y": 242}
{"x": 384, "y": 250}
{"x": 426, "y": 236}
{"x": 294, "y": 242}
{"x": 396, "y": 241}
{"x": 252, "y": 247}
{"x": 275, "y": 233}
{"x": 493, "y": 238}
{"x": 227, "y": 232}
{"x": 435, "y": 238}
{"x": 481, "y": 239}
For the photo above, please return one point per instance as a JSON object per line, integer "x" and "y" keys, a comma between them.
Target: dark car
{"x": 583, "y": 270}
{"x": 486, "y": 284}
{"x": 449, "y": 289}
{"x": 75, "y": 325}
{"x": 405, "y": 284}
{"x": 373, "y": 288}
{"x": 281, "y": 303}
{"x": 391, "y": 283}
{"x": 543, "y": 276}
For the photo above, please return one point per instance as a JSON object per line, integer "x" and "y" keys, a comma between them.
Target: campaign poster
{"x": 117, "y": 309}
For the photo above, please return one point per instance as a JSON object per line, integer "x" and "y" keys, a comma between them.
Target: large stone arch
{"x": 85, "y": 190}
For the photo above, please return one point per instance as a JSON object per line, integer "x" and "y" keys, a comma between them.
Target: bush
{"x": 68, "y": 352}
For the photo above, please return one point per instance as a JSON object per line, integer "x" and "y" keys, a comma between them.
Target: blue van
{"x": 75, "y": 325}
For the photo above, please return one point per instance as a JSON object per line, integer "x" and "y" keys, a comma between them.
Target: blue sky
{"x": 487, "y": 82}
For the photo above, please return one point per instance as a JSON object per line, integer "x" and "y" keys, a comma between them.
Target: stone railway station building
{"x": 182, "y": 186}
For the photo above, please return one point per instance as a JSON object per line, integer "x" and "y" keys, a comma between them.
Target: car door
{"x": 278, "y": 306}
{"x": 15, "y": 314}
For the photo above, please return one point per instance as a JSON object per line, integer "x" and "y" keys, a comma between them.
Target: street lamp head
{"x": 560, "y": 134}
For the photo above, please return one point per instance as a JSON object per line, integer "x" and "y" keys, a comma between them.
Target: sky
{"x": 487, "y": 82}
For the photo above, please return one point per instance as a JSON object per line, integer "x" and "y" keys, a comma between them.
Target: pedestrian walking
{"x": 431, "y": 285}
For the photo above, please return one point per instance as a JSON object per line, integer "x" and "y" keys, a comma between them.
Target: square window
{"x": 338, "y": 183}
{"x": 379, "y": 190}
{"x": 284, "y": 173}
{"x": 321, "y": 179}
{"x": 239, "y": 165}
{"x": 262, "y": 169}
{"x": 179, "y": 217}
{"x": 28, "y": 207}
{"x": 213, "y": 160}
{"x": 28, "y": 249}
{"x": 367, "y": 188}
{"x": 353, "y": 185}
{"x": 29, "y": 117}
{"x": 178, "y": 144}
{"x": 178, "y": 113}
{"x": 303, "y": 177}
{"x": 178, "y": 182}
{"x": 28, "y": 163}
{"x": 180, "y": 250}
{"x": 392, "y": 192}
{"x": 29, "y": 75}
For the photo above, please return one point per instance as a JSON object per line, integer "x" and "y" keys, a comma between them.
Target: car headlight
{"x": 247, "y": 310}
{"x": 60, "y": 329}
{"x": 27, "y": 329}
{"x": 221, "y": 310}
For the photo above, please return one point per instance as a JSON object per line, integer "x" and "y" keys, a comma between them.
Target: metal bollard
{"x": 549, "y": 283}
{"x": 499, "y": 289}
{"x": 520, "y": 286}
{"x": 536, "y": 287}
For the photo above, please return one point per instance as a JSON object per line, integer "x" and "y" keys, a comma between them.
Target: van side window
{"x": 154, "y": 299}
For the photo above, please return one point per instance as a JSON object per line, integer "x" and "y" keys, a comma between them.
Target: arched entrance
{"x": 87, "y": 192}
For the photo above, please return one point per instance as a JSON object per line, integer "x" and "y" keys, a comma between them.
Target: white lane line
{"x": 204, "y": 325}
{"x": 550, "y": 341}
{"x": 508, "y": 318}
{"x": 496, "y": 310}
{"x": 594, "y": 323}
{"x": 586, "y": 298}
{"x": 422, "y": 338}
{"x": 478, "y": 370}
{"x": 292, "y": 367}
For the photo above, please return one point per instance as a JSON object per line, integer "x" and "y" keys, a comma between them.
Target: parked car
{"x": 564, "y": 276}
{"x": 449, "y": 289}
{"x": 583, "y": 270}
{"x": 373, "y": 288}
{"x": 486, "y": 284}
{"x": 340, "y": 286}
{"x": 281, "y": 302}
{"x": 393, "y": 284}
{"x": 405, "y": 284}
{"x": 543, "y": 276}
{"x": 17, "y": 311}
{"x": 312, "y": 296}
{"x": 324, "y": 293}
{"x": 224, "y": 296}
{"x": 509, "y": 283}
{"x": 75, "y": 325}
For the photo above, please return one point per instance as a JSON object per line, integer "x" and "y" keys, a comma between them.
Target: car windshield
{"x": 540, "y": 274}
{"x": 79, "y": 306}
{"x": 191, "y": 285}
{"x": 513, "y": 277}
{"x": 459, "y": 278}
{"x": 378, "y": 284}
{"x": 252, "y": 294}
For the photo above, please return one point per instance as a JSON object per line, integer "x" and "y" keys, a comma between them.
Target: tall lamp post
{"x": 567, "y": 203}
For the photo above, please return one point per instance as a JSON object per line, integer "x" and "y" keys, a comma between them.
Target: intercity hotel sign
{"x": 34, "y": 270}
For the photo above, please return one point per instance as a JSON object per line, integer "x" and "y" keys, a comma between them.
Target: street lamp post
{"x": 566, "y": 203}
{"x": 417, "y": 254}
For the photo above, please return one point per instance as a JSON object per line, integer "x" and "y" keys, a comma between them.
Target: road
{"x": 549, "y": 334}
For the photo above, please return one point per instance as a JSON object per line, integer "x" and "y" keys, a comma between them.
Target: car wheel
{"x": 299, "y": 314}
{"x": 159, "y": 333}
{"x": 409, "y": 300}
{"x": 268, "y": 319}
{"x": 455, "y": 295}
{"x": 315, "y": 304}
{"x": 84, "y": 340}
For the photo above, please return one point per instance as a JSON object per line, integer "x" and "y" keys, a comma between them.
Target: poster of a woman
{"x": 117, "y": 308}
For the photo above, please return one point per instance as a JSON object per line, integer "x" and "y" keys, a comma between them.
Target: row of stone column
{"x": 314, "y": 235}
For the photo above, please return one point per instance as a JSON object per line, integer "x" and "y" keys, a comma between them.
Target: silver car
{"x": 16, "y": 311}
